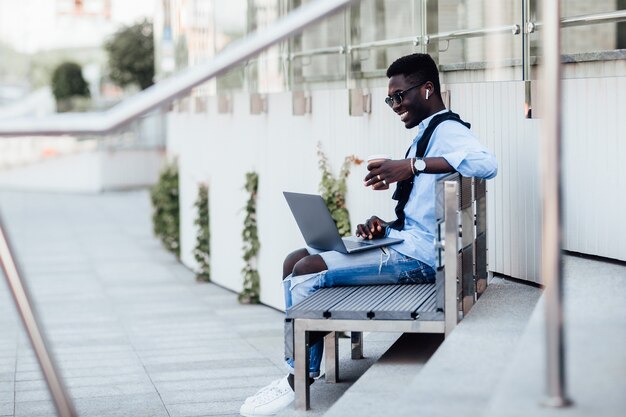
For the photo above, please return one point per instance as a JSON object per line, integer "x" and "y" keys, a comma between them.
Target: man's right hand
{"x": 374, "y": 228}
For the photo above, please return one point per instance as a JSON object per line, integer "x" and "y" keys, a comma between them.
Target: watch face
{"x": 419, "y": 165}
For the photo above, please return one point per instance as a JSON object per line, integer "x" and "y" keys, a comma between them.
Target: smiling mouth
{"x": 404, "y": 116}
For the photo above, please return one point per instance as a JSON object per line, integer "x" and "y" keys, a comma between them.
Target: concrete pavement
{"x": 136, "y": 335}
{"x": 133, "y": 332}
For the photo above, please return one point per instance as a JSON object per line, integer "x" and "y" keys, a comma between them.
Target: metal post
{"x": 28, "y": 314}
{"x": 331, "y": 352}
{"x": 301, "y": 366}
{"x": 526, "y": 30}
{"x": 551, "y": 263}
{"x": 356, "y": 344}
{"x": 451, "y": 283}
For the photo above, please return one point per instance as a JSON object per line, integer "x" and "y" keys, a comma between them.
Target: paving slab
{"x": 133, "y": 332}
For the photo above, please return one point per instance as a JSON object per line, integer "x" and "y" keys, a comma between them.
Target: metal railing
{"x": 177, "y": 86}
{"x": 515, "y": 29}
{"x": 472, "y": 33}
{"x": 123, "y": 113}
{"x": 332, "y": 50}
{"x": 594, "y": 19}
{"x": 551, "y": 242}
{"x": 411, "y": 40}
{"x": 34, "y": 330}
{"x": 585, "y": 20}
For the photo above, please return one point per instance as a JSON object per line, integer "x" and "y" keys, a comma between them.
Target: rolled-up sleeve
{"x": 456, "y": 144}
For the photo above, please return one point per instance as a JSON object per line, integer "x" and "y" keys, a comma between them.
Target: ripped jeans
{"x": 376, "y": 266}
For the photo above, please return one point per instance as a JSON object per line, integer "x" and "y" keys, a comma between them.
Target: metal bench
{"x": 412, "y": 308}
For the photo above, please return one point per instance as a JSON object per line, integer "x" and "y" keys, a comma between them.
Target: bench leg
{"x": 331, "y": 353}
{"x": 301, "y": 366}
{"x": 357, "y": 345}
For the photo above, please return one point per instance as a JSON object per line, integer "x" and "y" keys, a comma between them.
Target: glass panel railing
{"x": 317, "y": 56}
{"x": 230, "y": 23}
{"x": 381, "y": 32}
{"x": 482, "y": 36}
{"x": 267, "y": 72}
{"x": 591, "y": 34}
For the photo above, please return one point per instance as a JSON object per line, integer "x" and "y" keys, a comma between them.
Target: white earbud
{"x": 427, "y": 93}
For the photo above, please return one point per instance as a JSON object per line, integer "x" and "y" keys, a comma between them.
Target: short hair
{"x": 418, "y": 68}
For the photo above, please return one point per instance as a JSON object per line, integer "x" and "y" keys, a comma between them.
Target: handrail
{"x": 584, "y": 20}
{"x": 608, "y": 17}
{"x": 593, "y": 19}
{"x": 30, "y": 319}
{"x": 320, "y": 51}
{"x": 176, "y": 86}
{"x": 471, "y": 33}
{"x": 414, "y": 40}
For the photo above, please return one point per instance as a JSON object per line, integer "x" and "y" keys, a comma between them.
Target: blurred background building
{"x": 36, "y": 36}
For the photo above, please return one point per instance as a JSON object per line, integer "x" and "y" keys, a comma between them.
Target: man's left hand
{"x": 382, "y": 173}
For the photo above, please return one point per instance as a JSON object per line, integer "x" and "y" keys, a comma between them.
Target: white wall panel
{"x": 221, "y": 148}
{"x": 495, "y": 111}
{"x": 595, "y": 177}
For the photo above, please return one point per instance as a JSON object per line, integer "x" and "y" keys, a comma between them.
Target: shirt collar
{"x": 424, "y": 124}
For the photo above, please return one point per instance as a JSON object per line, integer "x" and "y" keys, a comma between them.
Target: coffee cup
{"x": 378, "y": 158}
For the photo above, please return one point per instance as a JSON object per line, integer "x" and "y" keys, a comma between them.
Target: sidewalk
{"x": 133, "y": 332}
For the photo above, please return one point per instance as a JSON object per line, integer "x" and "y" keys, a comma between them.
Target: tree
{"x": 68, "y": 82}
{"x": 131, "y": 55}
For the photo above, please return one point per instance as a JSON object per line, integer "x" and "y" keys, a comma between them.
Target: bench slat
{"x": 316, "y": 306}
{"x": 359, "y": 305}
{"x": 378, "y": 302}
{"x": 407, "y": 303}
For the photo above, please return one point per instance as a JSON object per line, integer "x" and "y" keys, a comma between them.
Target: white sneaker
{"x": 265, "y": 388}
{"x": 268, "y": 400}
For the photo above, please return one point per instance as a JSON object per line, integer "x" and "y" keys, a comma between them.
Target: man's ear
{"x": 429, "y": 86}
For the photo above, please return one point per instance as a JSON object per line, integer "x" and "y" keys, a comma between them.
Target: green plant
{"x": 165, "y": 204}
{"x": 202, "y": 250}
{"x": 333, "y": 190}
{"x": 68, "y": 84}
{"x": 251, "y": 285}
{"x": 131, "y": 55}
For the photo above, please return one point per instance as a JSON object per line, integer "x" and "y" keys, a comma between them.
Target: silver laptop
{"x": 319, "y": 230}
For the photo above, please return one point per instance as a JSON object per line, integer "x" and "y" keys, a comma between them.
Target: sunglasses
{"x": 396, "y": 98}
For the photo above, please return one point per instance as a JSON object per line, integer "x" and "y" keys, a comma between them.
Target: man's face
{"x": 412, "y": 109}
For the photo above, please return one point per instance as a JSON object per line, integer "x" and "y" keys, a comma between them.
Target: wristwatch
{"x": 419, "y": 165}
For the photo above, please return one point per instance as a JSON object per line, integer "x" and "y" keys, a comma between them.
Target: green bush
{"x": 68, "y": 84}
{"x": 333, "y": 190}
{"x": 165, "y": 205}
{"x": 131, "y": 55}
{"x": 251, "y": 245}
{"x": 202, "y": 250}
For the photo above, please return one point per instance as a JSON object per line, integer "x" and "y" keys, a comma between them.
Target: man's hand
{"x": 384, "y": 172}
{"x": 374, "y": 228}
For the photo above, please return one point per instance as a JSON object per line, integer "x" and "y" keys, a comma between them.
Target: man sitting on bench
{"x": 443, "y": 144}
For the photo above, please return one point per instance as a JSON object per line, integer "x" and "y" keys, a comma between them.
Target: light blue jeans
{"x": 376, "y": 266}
